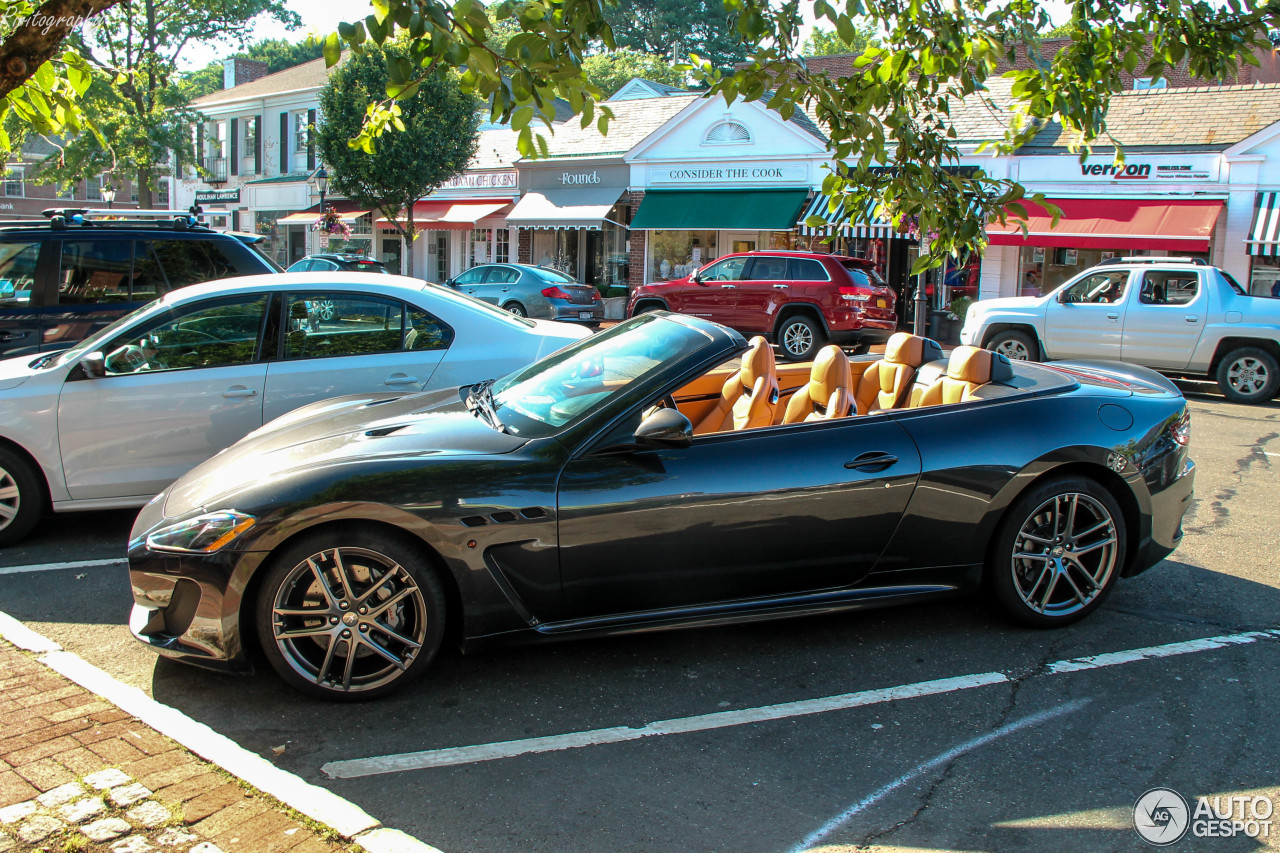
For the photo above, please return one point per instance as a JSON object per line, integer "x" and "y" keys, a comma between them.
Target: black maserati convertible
{"x": 665, "y": 473}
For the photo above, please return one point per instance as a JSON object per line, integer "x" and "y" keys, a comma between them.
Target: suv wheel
{"x": 1248, "y": 375}
{"x": 1015, "y": 346}
{"x": 799, "y": 338}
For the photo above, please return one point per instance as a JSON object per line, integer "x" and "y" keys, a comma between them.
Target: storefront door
{"x": 297, "y": 244}
{"x": 389, "y": 254}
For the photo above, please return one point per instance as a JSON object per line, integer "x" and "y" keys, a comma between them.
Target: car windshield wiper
{"x": 480, "y": 399}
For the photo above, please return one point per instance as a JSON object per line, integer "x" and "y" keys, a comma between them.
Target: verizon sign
{"x": 1138, "y": 170}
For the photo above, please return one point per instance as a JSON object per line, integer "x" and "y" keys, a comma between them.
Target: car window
{"x": 187, "y": 262}
{"x": 807, "y": 269}
{"x": 730, "y": 269}
{"x": 324, "y": 325}
{"x": 862, "y": 274}
{"x": 18, "y": 271}
{"x": 1234, "y": 285}
{"x": 1105, "y": 287}
{"x": 368, "y": 266}
{"x": 471, "y": 276}
{"x": 501, "y": 275}
{"x": 1168, "y": 288}
{"x": 214, "y": 333}
{"x": 323, "y": 265}
{"x": 553, "y": 276}
{"x": 768, "y": 269}
{"x": 424, "y": 332}
{"x": 304, "y": 265}
{"x": 94, "y": 271}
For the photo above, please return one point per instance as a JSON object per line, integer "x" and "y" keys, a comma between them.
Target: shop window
{"x": 676, "y": 254}
{"x": 1264, "y": 279}
{"x": 502, "y": 246}
{"x": 728, "y": 133}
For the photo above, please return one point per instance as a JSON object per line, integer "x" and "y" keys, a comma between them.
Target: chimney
{"x": 237, "y": 70}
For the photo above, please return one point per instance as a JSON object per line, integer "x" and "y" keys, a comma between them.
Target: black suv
{"x": 63, "y": 278}
{"x": 333, "y": 261}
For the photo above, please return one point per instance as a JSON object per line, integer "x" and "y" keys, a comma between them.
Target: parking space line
{"x": 934, "y": 763}
{"x": 449, "y": 756}
{"x": 619, "y": 734}
{"x": 53, "y": 567}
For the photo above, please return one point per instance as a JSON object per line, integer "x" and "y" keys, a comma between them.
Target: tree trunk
{"x": 145, "y": 201}
{"x": 36, "y": 41}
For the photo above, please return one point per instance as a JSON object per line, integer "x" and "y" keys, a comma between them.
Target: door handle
{"x": 1113, "y": 316}
{"x": 781, "y": 286}
{"x": 1192, "y": 318}
{"x": 728, "y": 287}
{"x": 240, "y": 391}
{"x": 400, "y": 379}
{"x": 876, "y": 460}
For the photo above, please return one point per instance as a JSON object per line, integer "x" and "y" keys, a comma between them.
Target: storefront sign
{"x": 1137, "y": 170}
{"x": 481, "y": 181}
{"x": 205, "y": 196}
{"x": 560, "y": 176}
{"x": 745, "y": 173}
{"x": 579, "y": 179}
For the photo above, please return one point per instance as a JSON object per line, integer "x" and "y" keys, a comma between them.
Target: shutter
{"x": 200, "y": 145}
{"x": 284, "y": 143}
{"x": 311, "y": 142}
{"x": 235, "y": 146}
{"x": 258, "y": 123}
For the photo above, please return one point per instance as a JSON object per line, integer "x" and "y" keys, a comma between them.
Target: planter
{"x": 615, "y": 308}
{"x": 944, "y": 329}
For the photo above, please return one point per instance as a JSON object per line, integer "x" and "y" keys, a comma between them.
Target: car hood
{"x": 15, "y": 371}
{"x": 1024, "y": 303}
{"x": 339, "y": 432}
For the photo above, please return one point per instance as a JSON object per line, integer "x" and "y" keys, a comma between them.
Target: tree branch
{"x": 38, "y": 38}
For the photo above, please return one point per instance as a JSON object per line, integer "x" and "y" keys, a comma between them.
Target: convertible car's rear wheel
{"x": 1058, "y": 553}
{"x": 350, "y": 615}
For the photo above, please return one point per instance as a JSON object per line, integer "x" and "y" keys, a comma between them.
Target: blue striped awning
{"x": 867, "y": 224}
{"x": 1264, "y": 233}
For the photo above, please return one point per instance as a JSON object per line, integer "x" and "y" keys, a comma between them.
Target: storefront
{"x": 574, "y": 217}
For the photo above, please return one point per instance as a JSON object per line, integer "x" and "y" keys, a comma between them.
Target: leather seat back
{"x": 829, "y": 393}
{"x": 886, "y": 383}
{"x": 749, "y": 397}
{"x": 968, "y": 369}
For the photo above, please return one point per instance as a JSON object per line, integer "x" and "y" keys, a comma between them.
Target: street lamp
{"x": 322, "y": 184}
{"x": 109, "y": 195}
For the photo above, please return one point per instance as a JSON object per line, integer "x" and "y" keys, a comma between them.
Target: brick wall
{"x": 239, "y": 70}
{"x": 524, "y": 246}
{"x": 638, "y": 240}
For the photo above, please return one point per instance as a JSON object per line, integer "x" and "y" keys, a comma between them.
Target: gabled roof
{"x": 632, "y": 122}
{"x": 308, "y": 75}
{"x": 638, "y": 87}
{"x": 495, "y": 150}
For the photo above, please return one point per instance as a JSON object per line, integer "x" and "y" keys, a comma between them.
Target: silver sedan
{"x": 529, "y": 291}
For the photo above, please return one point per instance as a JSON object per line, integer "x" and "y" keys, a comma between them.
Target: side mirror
{"x": 1063, "y": 296}
{"x": 665, "y": 428}
{"x": 94, "y": 365}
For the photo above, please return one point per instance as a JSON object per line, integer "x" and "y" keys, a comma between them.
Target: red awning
{"x": 1180, "y": 225}
{"x": 460, "y": 215}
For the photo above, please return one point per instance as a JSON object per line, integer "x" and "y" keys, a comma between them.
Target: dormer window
{"x": 728, "y": 133}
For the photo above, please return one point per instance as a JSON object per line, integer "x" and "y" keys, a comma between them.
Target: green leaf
{"x": 332, "y": 50}
{"x": 381, "y": 9}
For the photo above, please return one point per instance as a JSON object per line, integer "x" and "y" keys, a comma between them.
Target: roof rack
{"x": 1150, "y": 259}
{"x": 61, "y": 218}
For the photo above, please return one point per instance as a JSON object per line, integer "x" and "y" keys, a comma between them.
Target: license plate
{"x": 585, "y": 315}
{"x": 880, "y": 303}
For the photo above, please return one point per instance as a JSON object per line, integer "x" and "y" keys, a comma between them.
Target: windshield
{"x": 95, "y": 340}
{"x": 542, "y": 399}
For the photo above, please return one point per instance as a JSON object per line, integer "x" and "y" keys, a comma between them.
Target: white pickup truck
{"x": 1175, "y": 315}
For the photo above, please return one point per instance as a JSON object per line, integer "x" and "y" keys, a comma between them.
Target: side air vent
{"x": 503, "y": 517}
{"x": 475, "y": 521}
{"x": 387, "y": 430}
{"x": 534, "y": 512}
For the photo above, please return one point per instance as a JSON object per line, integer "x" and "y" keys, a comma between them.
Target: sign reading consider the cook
{"x": 729, "y": 174}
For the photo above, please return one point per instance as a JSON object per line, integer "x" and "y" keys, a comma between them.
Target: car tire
{"x": 22, "y": 497}
{"x": 648, "y": 307}
{"x": 325, "y": 310}
{"x": 515, "y": 308}
{"x": 310, "y": 576}
{"x": 1014, "y": 345}
{"x": 1248, "y": 375}
{"x": 800, "y": 337}
{"x": 1035, "y": 568}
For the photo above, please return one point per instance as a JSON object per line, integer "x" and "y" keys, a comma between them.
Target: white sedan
{"x": 116, "y": 419}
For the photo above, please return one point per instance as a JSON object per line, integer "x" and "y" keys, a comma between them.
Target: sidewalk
{"x": 79, "y": 774}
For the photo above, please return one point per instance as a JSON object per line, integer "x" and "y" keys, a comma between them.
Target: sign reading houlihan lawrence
{"x": 205, "y": 196}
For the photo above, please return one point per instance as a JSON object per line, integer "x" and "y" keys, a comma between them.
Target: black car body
{"x": 600, "y": 525}
{"x": 58, "y": 285}
{"x": 334, "y": 261}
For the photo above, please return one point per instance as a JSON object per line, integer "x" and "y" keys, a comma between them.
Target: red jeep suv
{"x": 800, "y": 300}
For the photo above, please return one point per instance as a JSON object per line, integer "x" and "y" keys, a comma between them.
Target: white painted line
{"x": 341, "y": 815}
{"x": 1165, "y": 651}
{"x": 943, "y": 759}
{"x": 53, "y": 567}
{"x": 619, "y": 734}
{"x": 358, "y": 767}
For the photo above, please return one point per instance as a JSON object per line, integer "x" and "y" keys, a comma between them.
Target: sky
{"x": 322, "y": 17}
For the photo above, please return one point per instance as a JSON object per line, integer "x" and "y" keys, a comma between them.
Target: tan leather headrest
{"x": 757, "y": 361}
{"x": 970, "y": 364}
{"x": 903, "y": 348}
{"x": 829, "y": 374}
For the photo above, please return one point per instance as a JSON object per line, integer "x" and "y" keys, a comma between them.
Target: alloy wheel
{"x": 324, "y": 309}
{"x": 1014, "y": 350}
{"x": 10, "y": 499}
{"x": 1064, "y": 554}
{"x": 349, "y": 619}
{"x": 1248, "y": 375}
{"x": 797, "y": 338}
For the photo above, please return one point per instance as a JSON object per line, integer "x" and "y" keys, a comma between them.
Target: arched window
{"x": 728, "y": 133}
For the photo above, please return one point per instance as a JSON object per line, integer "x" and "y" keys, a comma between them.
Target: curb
{"x": 324, "y": 807}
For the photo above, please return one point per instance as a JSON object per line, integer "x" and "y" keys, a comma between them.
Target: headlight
{"x": 204, "y": 534}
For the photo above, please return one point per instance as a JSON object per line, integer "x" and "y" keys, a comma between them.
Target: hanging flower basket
{"x": 331, "y": 223}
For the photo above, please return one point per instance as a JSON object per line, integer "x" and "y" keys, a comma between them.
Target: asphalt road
{"x": 1022, "y": 757}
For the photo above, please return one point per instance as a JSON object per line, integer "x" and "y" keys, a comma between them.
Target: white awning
{"x": 570, "y": 207}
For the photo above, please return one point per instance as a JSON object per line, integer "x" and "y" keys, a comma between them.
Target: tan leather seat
{"x": 968, "y": 369}
{"x": 828, "y": 395}
{"x": 885, "y": 383}
{"x": 749, "y": 397}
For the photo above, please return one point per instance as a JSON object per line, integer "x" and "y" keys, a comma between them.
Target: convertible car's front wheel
{"x": 1058, "y": 552}
{"x": 350, "y": 615}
